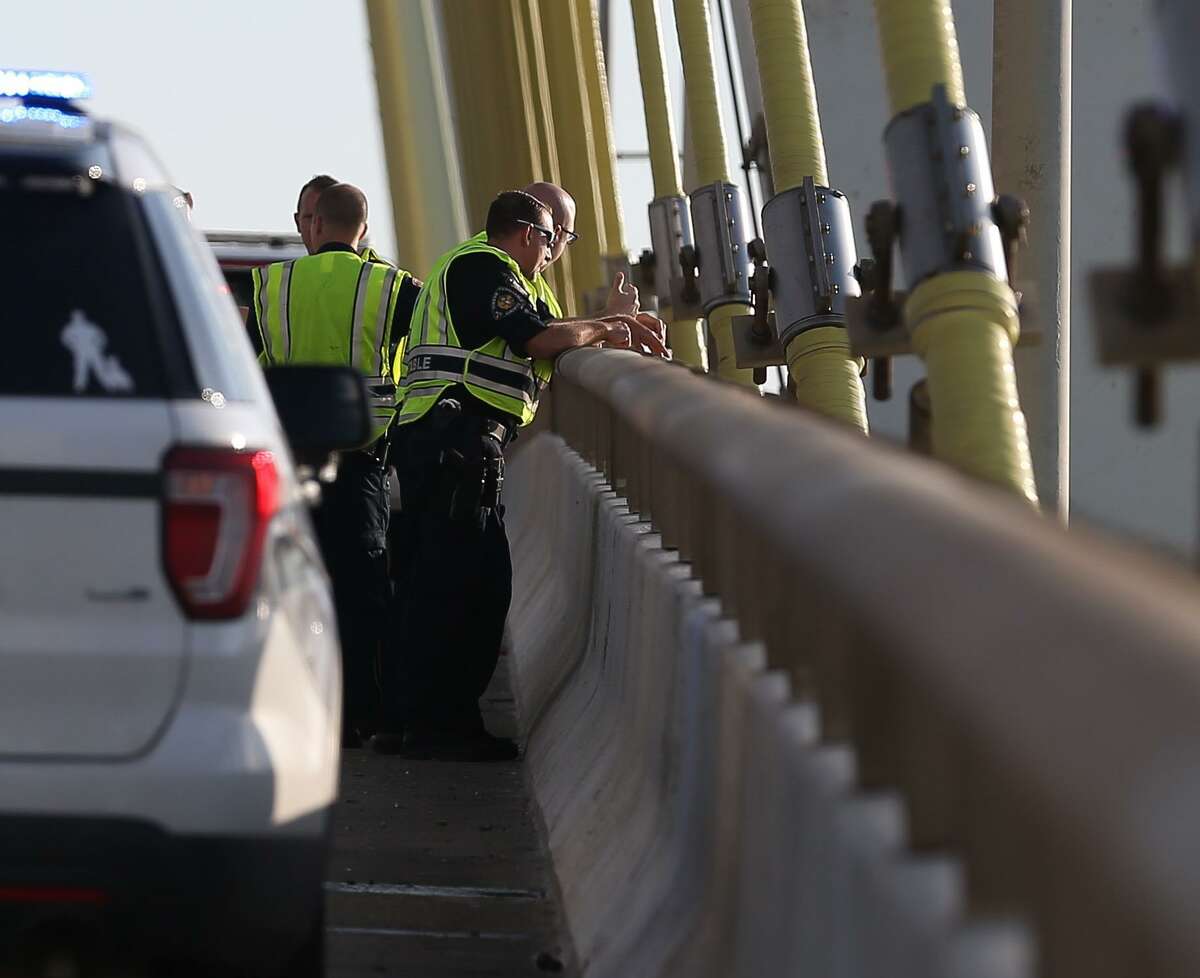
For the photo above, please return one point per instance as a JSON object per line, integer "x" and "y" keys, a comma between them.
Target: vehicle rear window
{"x": 80, "y": 316}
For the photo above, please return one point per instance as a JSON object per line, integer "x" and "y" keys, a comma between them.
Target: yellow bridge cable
{"x": 700, "y": 86}
{"x": 656, "y": 99}
{"x": 560, "y": 274}
{"x": 403, "y": 169}
{"x": 606, "y": 157}
{"x": 685, "y": 336}
{"x": 573, "y": 127}
{"x": 708, "y": 142}
{"x": 789, "y": 93}
{"x": 920, "y": 50}
{"x": 963, "y": 323}
{"x": 827, "y": 377}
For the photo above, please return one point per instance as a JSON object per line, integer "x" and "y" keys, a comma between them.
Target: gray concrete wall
{"x": 698, "y": 823}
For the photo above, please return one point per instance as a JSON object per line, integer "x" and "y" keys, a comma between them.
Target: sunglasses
{"x": 550, "y": 235}
{"x": 571, "y": 236}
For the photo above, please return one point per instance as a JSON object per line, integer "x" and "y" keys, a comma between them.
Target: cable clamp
{"x": 722, "y": 261}
{"x": 671, "y": 238}
{"x": 946, "y": 218}
{"x": 810, "y": 239}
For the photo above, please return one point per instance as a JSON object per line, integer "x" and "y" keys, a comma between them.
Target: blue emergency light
{"x": 42, "y": 113}
{"x": 63, "y": 86}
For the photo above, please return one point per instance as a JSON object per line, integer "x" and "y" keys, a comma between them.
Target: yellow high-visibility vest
{"x": 434, "y": 358}
{"x": 332, "y": 308}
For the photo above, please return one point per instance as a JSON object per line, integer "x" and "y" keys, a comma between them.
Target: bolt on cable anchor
{"x": 809, "y": 278}
{"x": 946, "y": 217}
{"x": 1148, "y": 315}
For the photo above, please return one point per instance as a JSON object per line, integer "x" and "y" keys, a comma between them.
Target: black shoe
{"x": 387, "y": 742}
{"x": 417, "y": 746}
{"x": 479, "y": 747}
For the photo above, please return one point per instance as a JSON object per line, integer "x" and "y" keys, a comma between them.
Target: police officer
{"x": 333, "y": 307}
{"x": 622, "y": 300}
{"x": 306, "y": 205}
{"x": 480, "y": 351}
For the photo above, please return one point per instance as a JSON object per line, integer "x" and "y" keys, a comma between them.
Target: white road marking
{"x": 459, "y": 935}
{"x": 417, "y": 890}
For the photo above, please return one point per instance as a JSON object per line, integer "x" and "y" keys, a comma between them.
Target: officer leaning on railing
{"x": 480, "y": 350}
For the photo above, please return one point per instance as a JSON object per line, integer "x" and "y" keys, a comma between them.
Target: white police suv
{"x": 169, "y": 678}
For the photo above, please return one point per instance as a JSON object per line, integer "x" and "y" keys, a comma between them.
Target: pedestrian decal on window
{"x": 87, "y": 343}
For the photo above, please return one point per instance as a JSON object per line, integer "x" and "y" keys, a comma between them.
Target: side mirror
{"x": 322, "y": 409}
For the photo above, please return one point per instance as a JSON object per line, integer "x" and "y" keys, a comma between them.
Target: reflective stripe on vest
{"x": 271, "y": 306}
{"x": 472, "y": 367}
{"x": 332, "y": 308}
{"x": 435, "y": 358}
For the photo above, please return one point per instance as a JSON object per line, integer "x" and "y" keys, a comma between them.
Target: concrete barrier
{"x": 698, "y": 824}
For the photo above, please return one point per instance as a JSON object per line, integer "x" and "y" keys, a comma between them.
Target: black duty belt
{"x": 456, "y": 415}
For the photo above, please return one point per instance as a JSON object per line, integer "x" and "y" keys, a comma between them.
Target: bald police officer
{"x": 332, "y": 307}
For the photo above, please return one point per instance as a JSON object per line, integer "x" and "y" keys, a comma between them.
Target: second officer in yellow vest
{"x": 480, "y": 350}
{"x": 332, "y": 307}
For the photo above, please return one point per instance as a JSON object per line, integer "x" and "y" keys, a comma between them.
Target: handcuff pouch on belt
{"x": 476, "y": 477}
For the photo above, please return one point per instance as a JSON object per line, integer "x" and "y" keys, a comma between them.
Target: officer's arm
{"x": 642, "y": 332}
{"x": 404, "y": 301}
{"x": 567, "y": 334}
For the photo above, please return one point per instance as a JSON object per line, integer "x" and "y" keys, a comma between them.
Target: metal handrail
{"x": 1034, "y": 693}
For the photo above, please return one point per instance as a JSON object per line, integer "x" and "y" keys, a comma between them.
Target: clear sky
{"x": 242, "y": 101}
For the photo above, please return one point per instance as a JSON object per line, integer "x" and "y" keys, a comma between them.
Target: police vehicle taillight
{"x": 216, "y": 508}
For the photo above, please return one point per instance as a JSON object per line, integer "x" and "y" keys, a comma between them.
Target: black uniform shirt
{"x": 485, "y": 301}
{"x": 406, "y": 301}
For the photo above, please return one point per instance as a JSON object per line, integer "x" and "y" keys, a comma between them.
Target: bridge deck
{"x": 440, "y": 869}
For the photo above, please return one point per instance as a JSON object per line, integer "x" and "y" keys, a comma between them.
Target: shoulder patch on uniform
{"x": 504, "y": 301}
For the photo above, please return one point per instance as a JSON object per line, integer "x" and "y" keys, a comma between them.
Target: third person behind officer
{"x": 306, "y": 209}
{"x": 480, "y": 351}
{"x": 622, "y": 296}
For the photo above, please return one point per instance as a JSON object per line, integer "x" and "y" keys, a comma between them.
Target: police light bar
{"x": 65, "y": 85}
{"x": 65, "y": 120}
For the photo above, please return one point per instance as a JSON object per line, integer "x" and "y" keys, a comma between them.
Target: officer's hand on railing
{"x": 617, "y": 336}
{"x": 645, "y": 333}
{"x": 623, "y": 298}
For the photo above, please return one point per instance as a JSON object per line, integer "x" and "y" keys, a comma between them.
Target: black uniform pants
{"x": 453, "y": 576}
{"x": 351, "y": 524}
